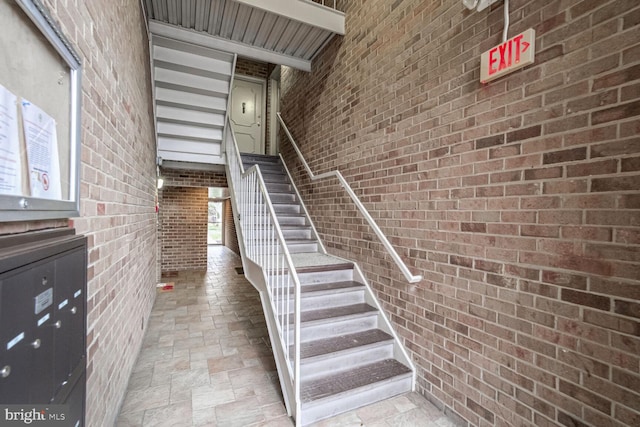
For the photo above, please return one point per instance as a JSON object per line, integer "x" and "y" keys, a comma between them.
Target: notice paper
{"x": 10, "y": 160}
{"x": 42, "y": 152}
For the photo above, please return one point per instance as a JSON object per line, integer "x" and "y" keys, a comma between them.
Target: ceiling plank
{"x": 206, "y": 40}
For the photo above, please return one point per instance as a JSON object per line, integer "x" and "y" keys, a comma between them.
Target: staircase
{"x": 349, "y": 357}
{"x": 191, "y": 93}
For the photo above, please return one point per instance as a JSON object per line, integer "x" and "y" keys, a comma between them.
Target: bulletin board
{"x": 40, "y": 76}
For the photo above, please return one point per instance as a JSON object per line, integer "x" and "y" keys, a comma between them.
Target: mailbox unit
{"x": 43, "y": 320}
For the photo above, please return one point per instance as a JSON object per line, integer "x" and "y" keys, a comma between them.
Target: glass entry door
{"x": 214, "y": 236}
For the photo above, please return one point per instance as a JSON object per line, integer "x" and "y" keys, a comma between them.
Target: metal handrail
{"x": 264, "y": 244}
{"x": 365, "y": 213}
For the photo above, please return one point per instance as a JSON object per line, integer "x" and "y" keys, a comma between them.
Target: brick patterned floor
{"x": 206, "y": 361}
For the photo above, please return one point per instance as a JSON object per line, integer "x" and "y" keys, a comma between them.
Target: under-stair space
{"x": 191, "y": 88}
{"x": 349, "y": 357}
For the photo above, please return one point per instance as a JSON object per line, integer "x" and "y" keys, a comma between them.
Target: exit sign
{"x": 515, "y": 53}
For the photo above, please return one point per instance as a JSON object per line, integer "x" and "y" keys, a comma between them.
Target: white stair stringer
{"x": 350, "y": 355}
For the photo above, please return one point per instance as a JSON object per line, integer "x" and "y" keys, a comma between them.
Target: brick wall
{"x": 117, "y": 191}
{"x": 517, "y": 200}
{"x": 183, "y": 212}
{"x": 248, "y": 67}
{"x": 183, "y": 203}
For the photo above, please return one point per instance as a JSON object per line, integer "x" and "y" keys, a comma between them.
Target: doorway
{"x": 216, "y": 206}
{"x": 247, "y": 111}
{"x": 214, "y": 223}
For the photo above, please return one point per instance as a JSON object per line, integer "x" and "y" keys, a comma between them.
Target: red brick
{"x": 583, "y": 7}
{"x": 626, "y": 416}
{"x": 630, "y": 146}
{"x": 617, "y": 78}
{"x": 520, "y": 134}
{"x": 612, "y": 251}
{"x": 586, "y": 299}
{"x": 587, "y": 233}
{"x": 613, "y": 322}
{"x": 565, "y": 156}
{"x": 592, "y": 135}
{"x": 618, "y": 183}
{"x": 626, "y": 308}
{"x": 631, "y": 164}
{"x": 630, "y": 237}
{"x": 543, "y": 173}
{"x": 585, "y": 396}
{"x": 566, "y": 92}
{"x": 593, "y": 168}
{"x": 506, "y": 151}
{"x": 629, "y": 201}
{"x": 560, "y": 217}
{"x": 489, "y": 141}
{"x": 567, "y": 123}
{"x": 549, "y": 53}
{"x": 570, "y": 421}
{"x": 623, "y": 111}
{"x": 542, "y": 202}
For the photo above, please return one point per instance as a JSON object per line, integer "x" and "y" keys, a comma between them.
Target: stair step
{"x": 340, "y": 382}
{"x": 327, "y": 295}
{"x": 282, "y": 197}
{"x": 331, "y": 287}
{"x": 325, "y": 273}
{"x": 313, "y": 349}
{"x": 336, "y": 312}
{"x": 328, "y": 356}
{"x": 263, "y": 165}
{"x": 276, "y": 178}
{"x": 289, "y": 219}
{"x": 302, "y": 246}
{"x": 286, "y": 208}
{"x": 259, "y": 158}
{"x": 296, "y": 232}
{"x": 319, "y": 273}
{"x": 278, "y": 187}
{"x": 335, "y": 321}
{"x": 347, "y": 390}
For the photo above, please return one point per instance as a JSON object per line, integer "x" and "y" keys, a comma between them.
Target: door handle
{"x": 5, "y": 372}
{"x": 244, "y": 104}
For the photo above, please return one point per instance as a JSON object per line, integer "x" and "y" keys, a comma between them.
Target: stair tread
{"x": 335, "y": 312}
{"x": 341, "y": 382}
{"x": 344, "y": 342}
{"x": 331, "y": 286}
{"x": 297, "y": 240}
{"x": 265, "y": 157}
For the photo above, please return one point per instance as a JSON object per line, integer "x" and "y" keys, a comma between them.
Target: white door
{"x": 246, "y": 115}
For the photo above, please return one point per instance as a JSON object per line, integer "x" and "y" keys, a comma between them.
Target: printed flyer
{"x": 10, "y": 160}
{"x": 42, "y": 152}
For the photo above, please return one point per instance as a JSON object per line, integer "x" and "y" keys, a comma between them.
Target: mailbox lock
{"x": 74, "y": 310}
{"x": 58, "y": 324}
{"x": 44, "y": 281}
{"x": 5, "y": 372}
{"x": 36, "y": 343}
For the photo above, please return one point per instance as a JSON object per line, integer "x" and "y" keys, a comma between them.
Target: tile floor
{"x": 206, "y": 361}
